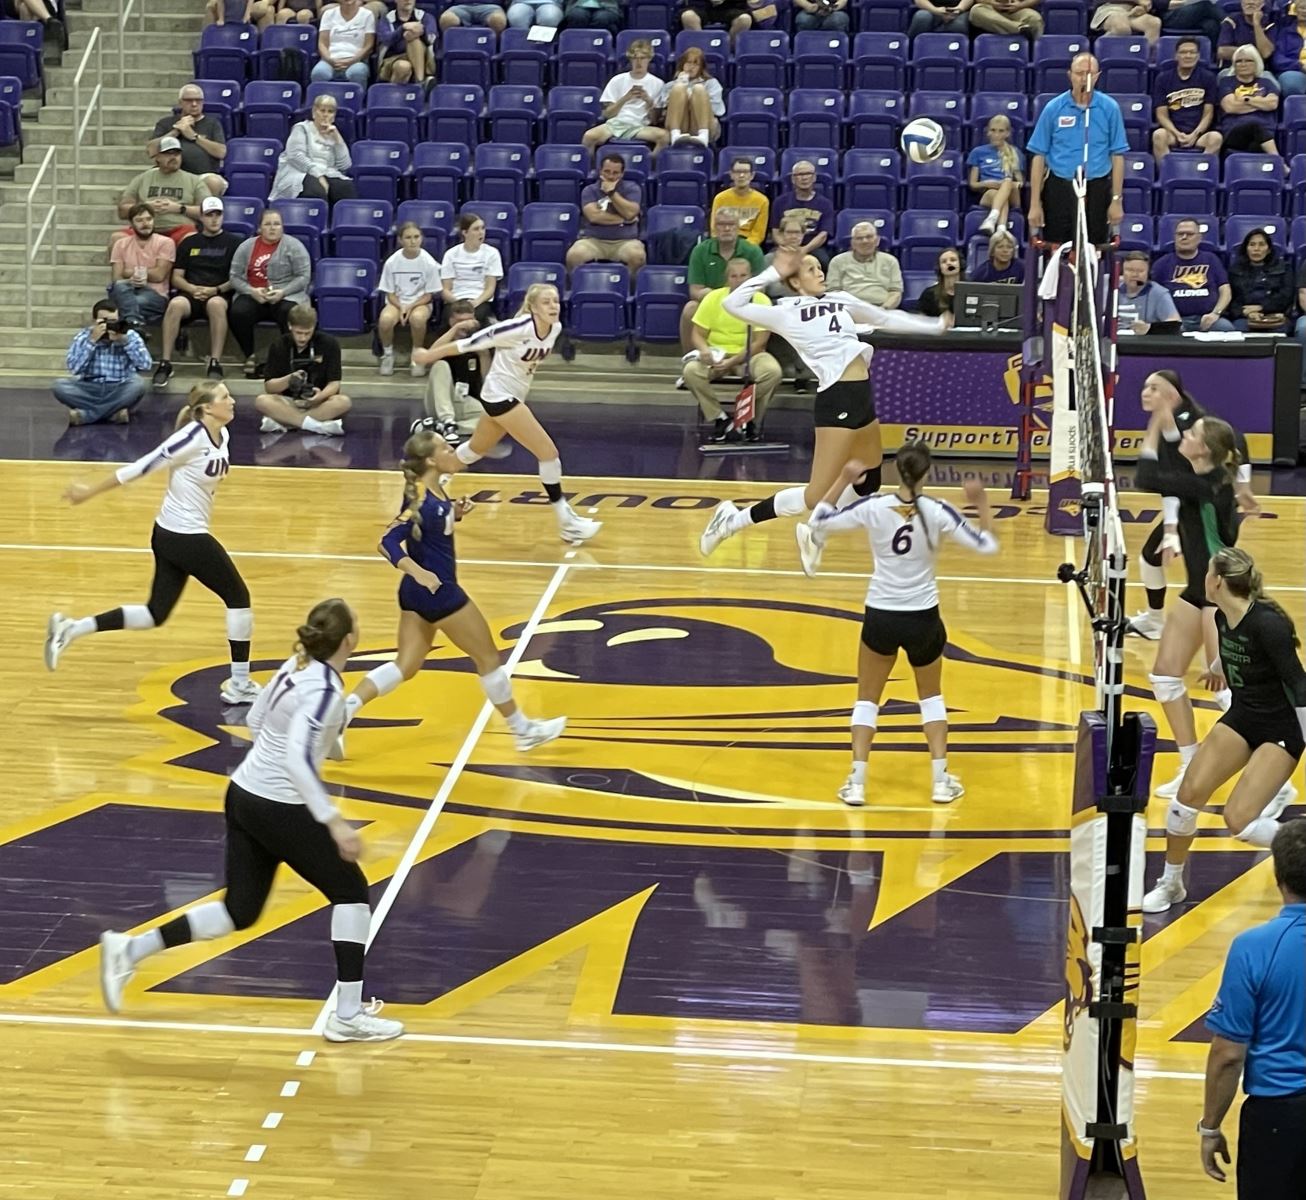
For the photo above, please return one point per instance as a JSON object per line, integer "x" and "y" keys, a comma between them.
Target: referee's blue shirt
{"x": 1059, "y": 135}
{"x": 1262, "y": 1003}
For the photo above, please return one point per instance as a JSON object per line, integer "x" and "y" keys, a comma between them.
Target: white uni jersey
{"x": 198, "y": 465}
{"x": 295, "y": 721}
{"x": 518, "y": 354}
{"x": 905, "y": 539}
{"x": 822, "y": 329}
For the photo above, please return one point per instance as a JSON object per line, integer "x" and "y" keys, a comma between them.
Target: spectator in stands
{"x": 1196, "y": 280}
{"x": 297, "y": 12}
{"x": 997, "y": 173}
{"x": 491, "y": 16}
{"x": 593, "y": 14}
{"x": 787, "y": 235}
{"x": 803, "y": 201}
{"x": 1184, "y": 101}
{"x": 629, "y": 103}
{"x": 825, "y": 16}
{"x": 141, "y": 266}
{"x": 410, "y": 281}
{"x": 1141, "y": 305}
{"x": 522, "y": 14}
{"x": 707, "y": 265}
{"x": 693, "y": 101}
{"x": 172, "y": 195}
{"x": 239, "y": 12}
{"x": 314, "y": 162}
{"x": 346, "y": 36}
{"x": 938, "y": 298}
{"x": 751, "y": 207}
{"x": 722, "y": 344}
{"x": 1057, "y": 150}
{"x": 867, "y": 272}
{"x": 303, "y": 379}
{"x": 1193, "y": 16}
{"x": 1289, "y": 61}
{"x": 406, "y": 34}
{"x": 1002, "y": 265}
{"x": 1249, "y": 99}
{"x": 105, "y": 359}
{"x": 1260, "y": 284}
{"x": 1250, "y": 26}
{"x": 202, "y": 280}
{"x": 270, "y": 274}
{"x": 1008, "y": 17}
{"x": 455, "y": 379}
{"x": 609, "y": 228}
{"x": 940, "y": 16}
{"x": 203, "y": 143}
{"x": 472, "y": 270}
{"x": 730, "y": 15}
{"x": 1120, "y": 20}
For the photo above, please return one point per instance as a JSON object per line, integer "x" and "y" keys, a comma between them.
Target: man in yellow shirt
{"x": 719, "y": 344}
{"x": 749, "y": 205}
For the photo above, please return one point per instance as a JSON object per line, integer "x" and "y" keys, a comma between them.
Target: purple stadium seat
{"x": 637, "y": 156}
{"x": 436, "y": 219}
{"x": 269, "y": 108}
{"x": 361, "y": 228}
{"x": 820, "y": 60}
{"x": 343, "y": 288}
{"x": 680, "y": 175}
{"x": 585, "y": 58}
{"x": 250, "y": 165}
{"x": 561, "y": 172}
{"x": 466, "y": 55}
{"x": 753, "y": 116}
{"x": 1299, "y": 240}
{"x": 547, "y": 230}
{"x": 650, "y": 14}
{"x": 349, "y": 104}
{"x": 1124, "y": 64}
{"x": 660, "y": 294}
{"x": 1140, "y": 182}
{"x": 1190, "y": 183}
{"x": 515, "y": 113}
{"x": 883, "y": 16}
{"x": 521, "y": 61}
{"x": 921, "y": 235}
{"x": 1137, "y": 233}
{"x": 240, "y": 214}
{"x": 1206, "y": 224}
{"x": 394, "y": 112}
{"x": 571, "y": 111}
{"x": 1292, "y": 117}
{"x": 816, "y": 118}
{"x": 1136, "y": 111}
{"x": 1253, "y": 184}
{"x": 225, "y": 52}
{"x": 453, "y": 113}
{"x": 221, "y": 101}
{"x": 1000, "y": 63}
{"x": 500, "y": 224}
{"x": 305, "y": 220}
{"x": 598, "y": 302}
{"x": 947, "y": 108}
{"x": 520, "y": 277}
{"x": 22, "y": 44}
{"x": 939, "y": 62}
{"x": 1065, "y": 18}
{"x": 1238, "y": 227}
{"x": 439, "y": 169}
{"x": 871, "y": 179}
{"x": 379, "y": 169}
{"x": 879, "y": 62}
{"x": 975, "y": 218}
{"x": 714, "y": 43}
{"x": 1052, "y": 55}
{"x": 500, "y": 173}
{"x": 761, "y": 58}
{"x": 1297, "y": 190}
{"x": 666, "y": 218}
{"x": 876, "y": 118}
{"x": 913, "y": 284}
{"x": 984, "y": 106}
{"x": 282, "y": 46}
{"x": 935, "y": 185}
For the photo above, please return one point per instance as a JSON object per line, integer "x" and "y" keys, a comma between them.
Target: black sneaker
{"x": 449, "y": 431}
{"x": 424, "y": 424}
{"x": 215, "y": 369}
{"x": 162, "y": 374}
{"x": 751, "y": 432}
{"x": 720, "y": 427}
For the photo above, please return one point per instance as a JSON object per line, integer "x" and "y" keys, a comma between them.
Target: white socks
{"x": 938, "y": 768}
{"x": 1172, "y": 873}
{"x": 349, "y": 999}
{"x": 1186, "y": 754}
{"x": 859, "y": 772}
{"x": 81, "y": 627}
{"x": 143, "y": 945}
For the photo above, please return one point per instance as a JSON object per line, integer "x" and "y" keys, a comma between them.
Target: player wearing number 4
{"x": 419, "y": 544}
{"x": 906, "y": 529}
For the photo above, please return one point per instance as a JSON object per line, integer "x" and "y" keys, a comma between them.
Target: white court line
{"x": 460, "y": 761}
{"x": 238, "y": 1187}
{"x": 255, "y": 1152}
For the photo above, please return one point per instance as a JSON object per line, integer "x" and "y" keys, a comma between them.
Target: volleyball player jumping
{"x": 198, "y": 460}
{"x": 821, "y": 327}
{"x": 1262, "y": 735}
{"x": 906, "y": 529}
{"x": 419, "y": 544}
{"x": 521, "y": 343}
{"x": 278, "y": 812}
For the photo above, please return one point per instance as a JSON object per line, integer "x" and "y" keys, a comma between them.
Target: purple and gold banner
{"x": 966, "y": 401}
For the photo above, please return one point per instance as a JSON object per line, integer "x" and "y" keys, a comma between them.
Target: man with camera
{"x": 104, "y": 359}
{"x": 302, "y": 379}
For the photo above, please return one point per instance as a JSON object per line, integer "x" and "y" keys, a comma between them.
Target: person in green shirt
{"x": 707, "y": 267}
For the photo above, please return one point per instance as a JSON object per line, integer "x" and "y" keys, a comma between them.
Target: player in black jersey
{"x": 1262, "y": 735}
{"x": 1204, "y": 517}
{"x": 1165, "y": 390}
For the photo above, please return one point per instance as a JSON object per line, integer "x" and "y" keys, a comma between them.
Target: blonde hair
{"x": 417, "y": 449}
{"x": 1248, "y": 51}
{"x": 533, "y": 293}
{"x": 200, "y": 395}
{"x": 1238, "y": 569}
{"x": 319, "y": 637}
{"x": 1006, "y": 152}
{"x": 1221, "y": 444}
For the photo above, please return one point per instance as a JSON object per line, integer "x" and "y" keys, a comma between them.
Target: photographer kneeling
{"x": 104, "y": 358}
{"x": 302, "y": 378}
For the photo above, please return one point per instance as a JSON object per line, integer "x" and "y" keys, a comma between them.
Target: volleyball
{"x": 922, "y": 140}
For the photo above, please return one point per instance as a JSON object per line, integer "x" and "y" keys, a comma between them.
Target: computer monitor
{"x": 988, "y": 307}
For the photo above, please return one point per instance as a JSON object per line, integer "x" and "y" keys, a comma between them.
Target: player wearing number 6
{"x": 906, "y": 529}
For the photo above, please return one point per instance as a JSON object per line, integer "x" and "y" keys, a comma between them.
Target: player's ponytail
{"x": 417, "y": 449}
{"x": 200, "y": 395}
{"x": 1221, "y": 445}
{"x": 1242, "y": 578}
{"x": 319, "y": 637}
{"x": 913, "y": 461}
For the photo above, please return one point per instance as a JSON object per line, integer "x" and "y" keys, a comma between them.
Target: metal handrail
{"x": 94, "y": 106}
{"x": 49, "y": 225}
{"x": 123, "y": 18}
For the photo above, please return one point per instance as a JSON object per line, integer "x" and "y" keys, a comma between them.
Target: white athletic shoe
{"x": 1146, "y": 624}
{"x": 387, "y": 364}
{"x": 1285, "y": 796}
{"x": 240, "y": 691}
{"x": 948, "y": 789}
{"x": 364, "y": 1026}
{"x": 852, "y": 793}
{"x": 56, "y": 639}
{"x": 720, "y": 527}
{"x": 1168, "y": 791}
{"x": 116, "y": 968}
{"x": 1164, "y": 895}
{"x": 538, "y": 733}
{"x": 268, "y": 425}
{"x": 811, "y": 545}
{"x": 575, "y": 528}
{"x": 416, "y": 370}
{"x": 334, "y": 428}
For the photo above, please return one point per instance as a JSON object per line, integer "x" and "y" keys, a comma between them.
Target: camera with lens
{"x": 300, "y": 386}
{"x": 118, "y": 325}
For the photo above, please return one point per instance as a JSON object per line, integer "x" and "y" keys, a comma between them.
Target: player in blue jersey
{"x": 419, "y": 544}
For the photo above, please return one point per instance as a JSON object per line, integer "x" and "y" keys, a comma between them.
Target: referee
{"x": 1259, "y": 1023}
{"x": 1057, "y": 150}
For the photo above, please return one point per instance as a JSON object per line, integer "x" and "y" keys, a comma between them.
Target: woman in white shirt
{"x": 315, "y": 161}
{"x": 693, "y": 101}
{"x": 472, "y": 270}
{"x": 409, "y": 281}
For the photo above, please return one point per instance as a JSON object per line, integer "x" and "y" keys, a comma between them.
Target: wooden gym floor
{"x": 655, "y": 959}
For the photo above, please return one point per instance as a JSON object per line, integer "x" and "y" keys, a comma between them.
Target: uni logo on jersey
{"x": 216, "y": 468}
{"x": 824, "y": 309}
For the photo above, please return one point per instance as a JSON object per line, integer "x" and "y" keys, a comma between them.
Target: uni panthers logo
{"x": 1042, "y": 390}
{"x": 1193, "y": 275}
{"x": 1079, "y": 975}
{"x": 1070, "y": 505}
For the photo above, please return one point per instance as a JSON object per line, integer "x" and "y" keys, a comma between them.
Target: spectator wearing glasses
{"x": 629, "y": 103}
{"x": 203, "y": 143}
{"x": 1196, "y": 280}
{"x": 804, "y": 202}
{"x": 1143, "y": 306}
{"x": 1249, "y": 103}
{"x": 867, "y": 272}
{"x": 750, "y": 207}
{"x": 1184, "y": 101}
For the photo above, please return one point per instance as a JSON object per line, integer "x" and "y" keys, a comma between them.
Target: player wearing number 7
{"x": 906, "y": 529}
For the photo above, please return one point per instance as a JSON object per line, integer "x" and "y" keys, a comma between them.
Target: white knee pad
{"x": 240, "y": 624}
{"x": 1153, "y": 577}
{"x": 1168, "y": 687}
{"x": 933, "y": 709}
{"x": 211, "y": 920}
{"x": 497, "y": 686}
{"x": 790, "y": 502}
{"x": 1181, "y": 820}
{"x": 350, "y": 923}
{"x": 551, "y": 471}
{"x": 865, "y": 713}
{"x": 137, "y": 616}
{"x": 1259, "y": 832}
{"x": 466, "y": 455}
